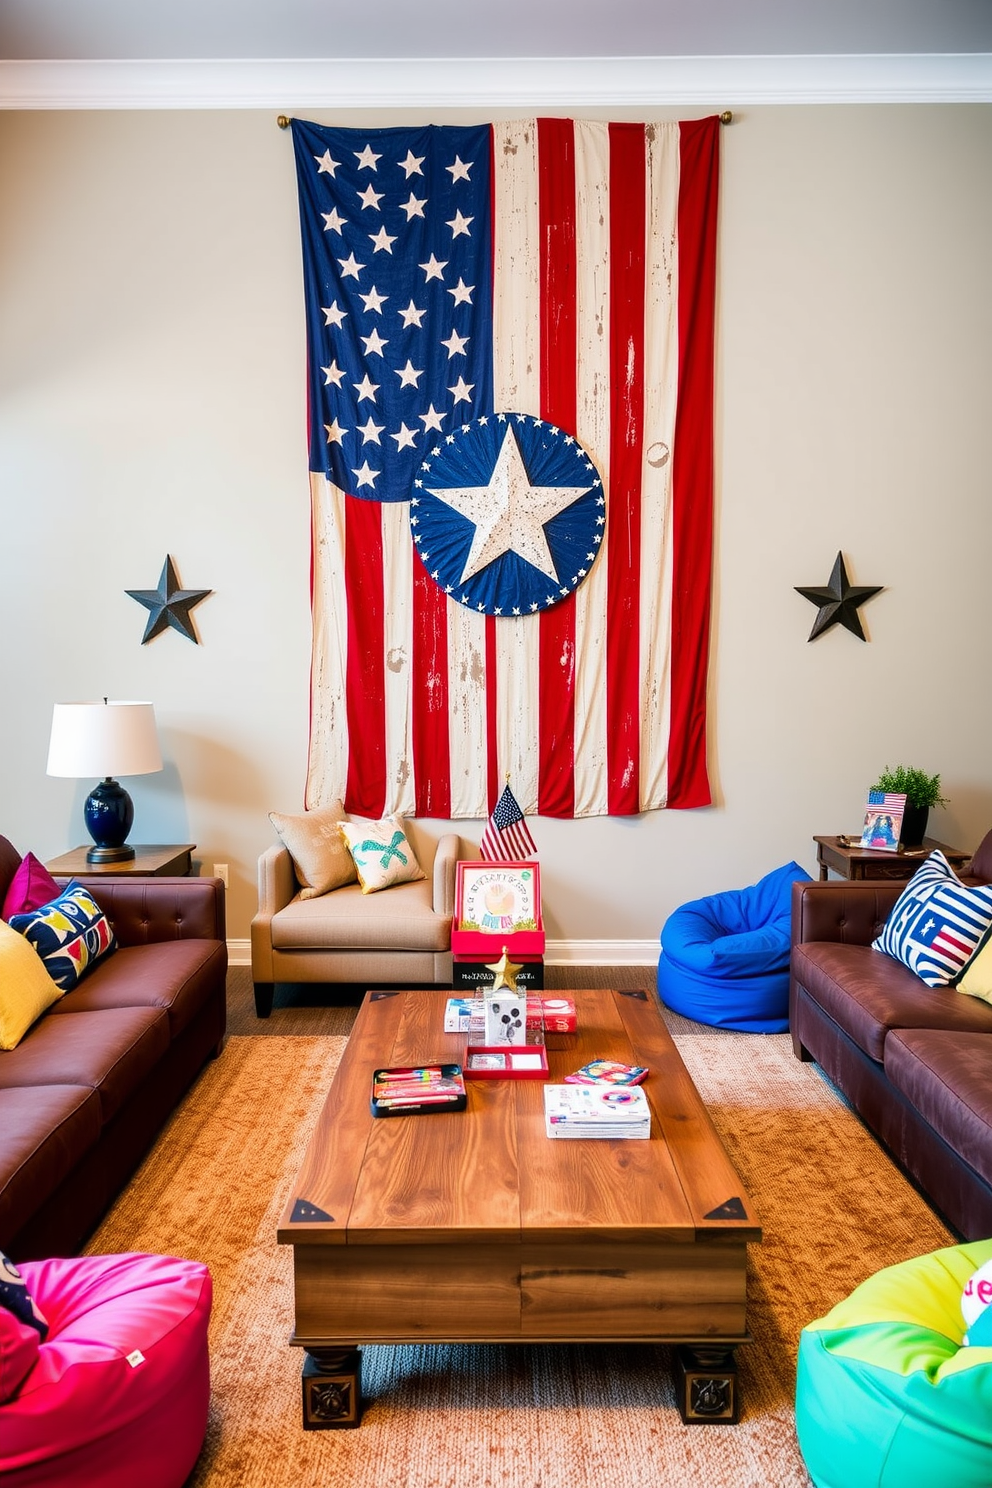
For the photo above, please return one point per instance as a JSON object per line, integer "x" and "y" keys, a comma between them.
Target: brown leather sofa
{"x": 914, "y": 1061}
{"x": 86, "y": 1091}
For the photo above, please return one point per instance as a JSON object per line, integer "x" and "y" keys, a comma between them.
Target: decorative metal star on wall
{"x": 168, "y": 605}
{"x": 838, "y": 602}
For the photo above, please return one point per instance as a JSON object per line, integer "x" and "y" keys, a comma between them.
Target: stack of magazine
{"x": 596, "y": 1111}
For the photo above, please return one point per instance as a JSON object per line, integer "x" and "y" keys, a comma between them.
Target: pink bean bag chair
{"x": 114, "y": 1392}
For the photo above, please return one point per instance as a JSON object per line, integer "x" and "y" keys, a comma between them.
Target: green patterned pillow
{"x": 383, "y": 856}
{"x": 70, "y": 935}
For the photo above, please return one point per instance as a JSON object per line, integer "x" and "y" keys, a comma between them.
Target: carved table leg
{"x": 332, "y": 1389}
{"x": 706, "y": 1385}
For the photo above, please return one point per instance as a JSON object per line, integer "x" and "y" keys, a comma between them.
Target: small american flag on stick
{"x": 506, "y": 834}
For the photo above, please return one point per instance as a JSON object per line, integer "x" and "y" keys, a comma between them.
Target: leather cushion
{"x": 868, "y": 993}
{"x": 178, "y": 975}
{"x": 46, "y": 1130}
{"x": 947, "y": 1076}
{"x": 112, "y": 1052}
{"x": 399, "y": 919}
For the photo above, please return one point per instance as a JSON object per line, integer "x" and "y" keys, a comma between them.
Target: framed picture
{"x": 498, "y": 899}
{"x": 883, "y": 821}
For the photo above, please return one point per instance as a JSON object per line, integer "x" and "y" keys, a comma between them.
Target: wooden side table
{"x": 862, "y": 862}
{"x": 154, "y": 860}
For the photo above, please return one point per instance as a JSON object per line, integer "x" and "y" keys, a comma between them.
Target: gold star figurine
{"x": 505, "y": 973}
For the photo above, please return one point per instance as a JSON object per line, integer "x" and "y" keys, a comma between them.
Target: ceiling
{"x": 248, "y": 53}
{"x": 91, "y": 29}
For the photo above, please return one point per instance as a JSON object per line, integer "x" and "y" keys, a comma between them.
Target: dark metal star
{"x": 838, "y": 602}
{"x": 169, "y": 605}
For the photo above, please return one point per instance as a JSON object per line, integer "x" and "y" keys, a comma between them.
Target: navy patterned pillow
{"x": 15, "y": 1296}
{"x": 936, "y": 923}
{"x": 70, "y": 934}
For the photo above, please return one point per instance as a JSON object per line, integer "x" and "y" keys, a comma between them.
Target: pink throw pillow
{"x": 31, "y": 886}
{"x": 20, "y": 1346}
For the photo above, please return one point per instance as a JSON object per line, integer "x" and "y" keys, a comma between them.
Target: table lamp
{"x": 108, "y": 739}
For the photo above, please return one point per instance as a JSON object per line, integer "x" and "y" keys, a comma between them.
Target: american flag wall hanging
{"x": 510, "y": 409}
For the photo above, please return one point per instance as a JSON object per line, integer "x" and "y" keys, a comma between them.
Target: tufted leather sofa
{"x": 88, "y": 1088}
{"x": 914, "y": 1061}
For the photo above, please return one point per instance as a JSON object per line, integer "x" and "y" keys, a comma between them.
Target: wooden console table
{"x": 155, "y": 860}
{"x": 863, "y": 862}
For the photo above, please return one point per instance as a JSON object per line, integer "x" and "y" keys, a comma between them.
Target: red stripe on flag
{"x": 429, "y": 681}
{"x": 692, "y": 463}
{"x": 365, "y": 691}
{"x": 556, "y": 205}
{"x": 628, "y": 213}
{"x": 493, "y": 785}
{"x": 492, "y": 745}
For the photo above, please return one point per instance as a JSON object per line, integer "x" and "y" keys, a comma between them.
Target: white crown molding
{"x": 557, "y": 953}
{"x": 502, "y": 82}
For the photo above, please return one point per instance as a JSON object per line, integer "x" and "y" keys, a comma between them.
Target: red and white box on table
{"x": 552, "y": 1014}
{"x": 497, "y": 908}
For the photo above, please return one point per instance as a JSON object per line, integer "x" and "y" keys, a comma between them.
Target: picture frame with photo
{"x": 883, "y": 820}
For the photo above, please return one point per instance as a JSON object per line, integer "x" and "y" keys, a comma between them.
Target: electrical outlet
{"x": 220, "y": 871}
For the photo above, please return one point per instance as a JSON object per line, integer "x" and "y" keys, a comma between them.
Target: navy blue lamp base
{"x": 108, "y": 814}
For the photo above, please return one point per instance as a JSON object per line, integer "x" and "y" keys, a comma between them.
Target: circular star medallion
{"x": 507, "y": 514}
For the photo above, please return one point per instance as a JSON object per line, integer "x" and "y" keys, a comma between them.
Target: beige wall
{"x": 152, "y": 401}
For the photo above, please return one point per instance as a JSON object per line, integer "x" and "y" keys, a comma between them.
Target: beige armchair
{"x": 400, "y": 936}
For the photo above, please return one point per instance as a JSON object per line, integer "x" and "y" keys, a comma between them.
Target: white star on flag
{"x": 370, "y": 197}
{"x": 509, "y": 513}
{"x": 366, "y": 159}
{"x": 366, "y": 477}
{"x": 414, "y": 207}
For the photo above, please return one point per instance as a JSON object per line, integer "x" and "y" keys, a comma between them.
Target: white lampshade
{"x": 103, "y": 738}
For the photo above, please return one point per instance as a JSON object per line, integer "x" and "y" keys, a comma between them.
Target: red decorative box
{"x": 556, "y": 1013}
{"x": 516, "y": 1062}
{"x": 497, "y": 904}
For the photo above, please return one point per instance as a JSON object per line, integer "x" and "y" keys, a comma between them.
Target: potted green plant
{"x": 921, "y": 791}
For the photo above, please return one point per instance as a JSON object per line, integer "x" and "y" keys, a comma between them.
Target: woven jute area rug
{"x": 834, "y": 1210}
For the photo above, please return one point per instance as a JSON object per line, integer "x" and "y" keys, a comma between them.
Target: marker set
{"x": 418, "y": 1090}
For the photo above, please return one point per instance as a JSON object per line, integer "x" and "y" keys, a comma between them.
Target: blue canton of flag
{"x": 398, "y": 268}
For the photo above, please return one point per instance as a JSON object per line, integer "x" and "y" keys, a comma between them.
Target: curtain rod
{"x": 725, "y": 118}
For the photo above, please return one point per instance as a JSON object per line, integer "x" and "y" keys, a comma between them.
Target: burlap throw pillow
{"x": 320, "y": 858}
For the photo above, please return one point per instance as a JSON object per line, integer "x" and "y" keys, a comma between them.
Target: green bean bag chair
{"x": 888, "y": 1395}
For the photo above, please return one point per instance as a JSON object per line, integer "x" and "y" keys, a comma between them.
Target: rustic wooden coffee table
{"x": 475, "y": 1227}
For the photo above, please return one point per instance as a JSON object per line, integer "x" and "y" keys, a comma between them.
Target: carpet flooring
{"x": 833, "y": 1206}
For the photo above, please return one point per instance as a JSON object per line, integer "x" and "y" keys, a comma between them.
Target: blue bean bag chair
{"x": 725, "y": 959}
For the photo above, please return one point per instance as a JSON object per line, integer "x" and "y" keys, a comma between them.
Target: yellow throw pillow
{"x": 312, "y": 839}
{"x": 381, "y": 853}
{"x": 976, "y": 976}
{"x": 26, "y": 989}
